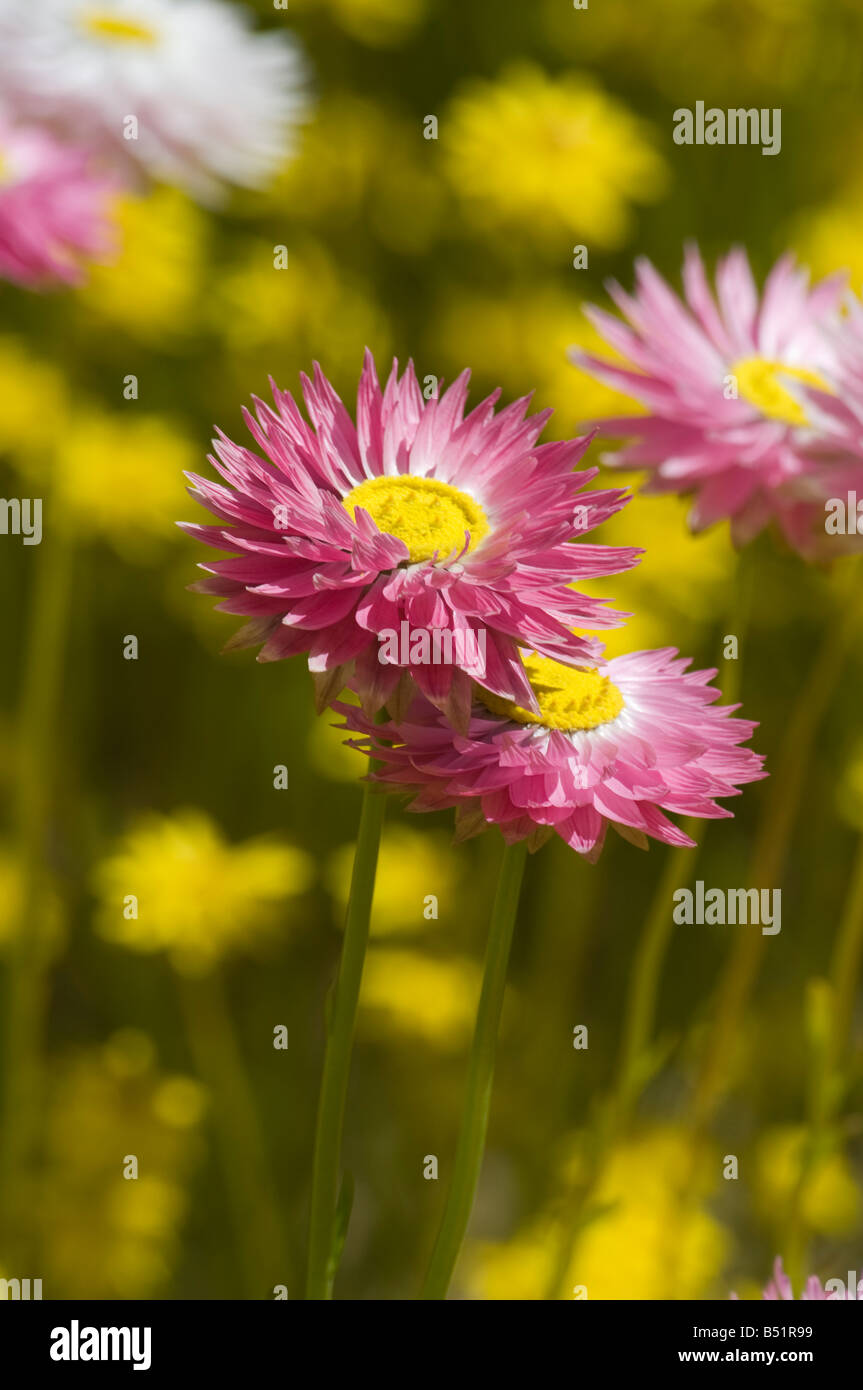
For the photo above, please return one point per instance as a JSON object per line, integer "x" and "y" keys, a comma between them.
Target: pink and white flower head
{"x": 780, "y": 1288}
{"x": 618, "y": 746}
{"x": 838, "y": 417}
{"x": 724, "y": 382}
{"x": 55, "y": 209}
{"x": 418, "y": 515}
{"x": 184, "y": 90}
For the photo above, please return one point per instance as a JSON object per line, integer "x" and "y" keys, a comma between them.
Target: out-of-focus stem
{"x": 471, "y": 1141}
{"x": 829, "y": 1055}
{"x": 323, "y": 1256}
{"x": 783, "y": 794}
{"x": 645, "y": 975}
{"x": 26, "y": 963}
{"x": 246, "y": 1165}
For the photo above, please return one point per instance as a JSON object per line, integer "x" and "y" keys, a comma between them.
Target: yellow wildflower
{"x": 556, "y": 157}
{"x": 830, "y": 1199}
{"x": 175, "y": 884}
{"x": 649, "y": 1243}
{"x": 35, "y": 402}
{"x": 119, "y": 477}
{"x": 431, "y": 999}
{"x": 417, "y": 879}
{"x": 107, "y": 1235}
{"x": 155, "y": 287}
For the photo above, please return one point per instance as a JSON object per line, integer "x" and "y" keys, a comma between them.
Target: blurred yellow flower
{"x": 35, "y": 402}
{"x": 830, "y": 237}
{"x": 11, "y": 908}
{"x": 107, "y": 1235}
{"x": 830, "y": 1199}
{"x": 119, "y": 478}
{"x": 179, "y": 1102}
{"x": 556, "y": 157}
{"x": 650, "y": 1243}
{"x": 378, "y": 23}
{"x": 413, "y": 866}
{"x": 408, "y": 993}
{"x": 681, "y": 583}
{"x": 653, "y": 1244}
{"x": 365, "y": 161}
{"x": 520, "y": 340}
{"x": 311, "y": 306}
{"x": 154, "y": 289}
{"x": 175, "y": 884}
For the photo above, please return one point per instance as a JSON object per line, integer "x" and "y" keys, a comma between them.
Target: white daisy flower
{"x": 183, "y": 88}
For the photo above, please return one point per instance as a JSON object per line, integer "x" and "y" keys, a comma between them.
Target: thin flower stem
{"x": 27, "y": 962}
{"x": 323, "y": 1254}
{"x": 645, "y": 977}
{"x": 647, "y": 970}
{"x": 471, "y": 1140}
{"x": 829, "y": 1055}
{"x": 631, "y": 1076}
{"x": 845, "y": 964}
{"x": 784, "y": 793}
{"x": 247, "y": 1168}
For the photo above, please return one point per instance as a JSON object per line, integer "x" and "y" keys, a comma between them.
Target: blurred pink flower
{"x": 727, "y": 384}
{"x": 838, "y": 415}
{"x": 780, "y": 1288}
{"x": 416, "y": 515}
{"x": 55, "y": 211}
{"x": 189, "y": 91}
{"x": 617, "y": 746}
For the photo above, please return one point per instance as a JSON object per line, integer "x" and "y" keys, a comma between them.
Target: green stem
{"x": 323, "y": 1254}
{"x": 27, "y": 964}
{"x": 646, "y": 972}
{"x": 845, "y": 964}
{"x": 829, "y": 1054}
{"x": 471, "y": 1140}
{"x": 645, "y": 975}
{"x": 637, "y": 1032}
{"x": 784, "y": 793}
{"x": 247, "y": 1170}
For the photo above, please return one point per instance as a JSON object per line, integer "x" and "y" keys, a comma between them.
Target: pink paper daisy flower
{"x": 838, "y": 418}
{"x": 54, "y": 209}
{"x": 351, "y": 542}
{"x": 617, "y": 746}
{"x": 724, "y": 383}
{"x": 780, "y": 1288}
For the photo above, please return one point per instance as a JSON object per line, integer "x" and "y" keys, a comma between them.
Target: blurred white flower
{"x": 183, "y": 88}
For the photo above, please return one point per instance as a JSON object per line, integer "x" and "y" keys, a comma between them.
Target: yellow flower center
{"x": 109, "y": 26}
{"x": 759, "y": 382}
{"x": 568, "y": 699}
{"x": 428, "y": 515}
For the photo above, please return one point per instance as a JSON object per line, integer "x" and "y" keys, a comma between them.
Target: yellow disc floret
{"x": 428, "y": 515}
{"x": 568, "y": 699}
{"x": 759, "y": 381}
{"x": 104, "y": 25}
